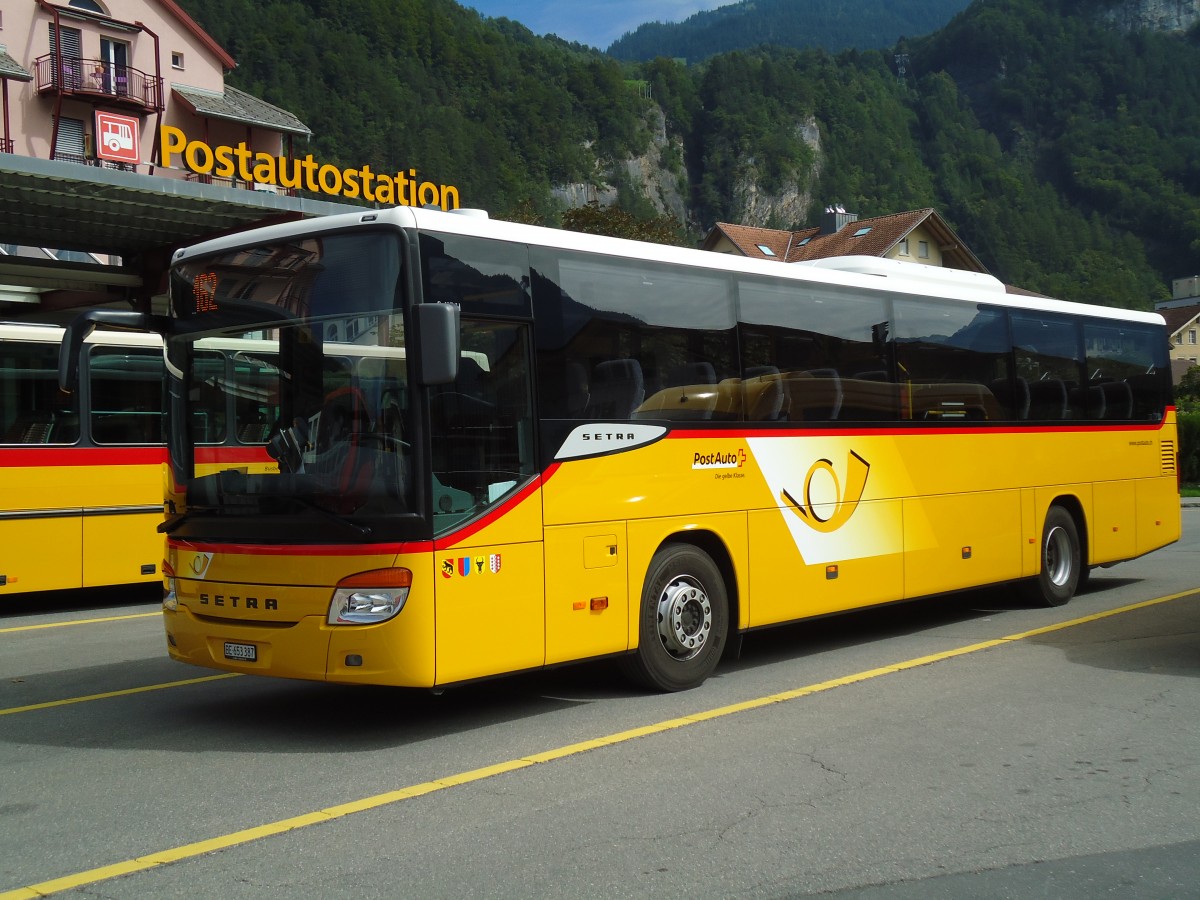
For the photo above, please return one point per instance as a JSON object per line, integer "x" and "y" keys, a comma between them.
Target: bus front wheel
{"x": 683, "y": 622}
{"x": 1062, "y": 561}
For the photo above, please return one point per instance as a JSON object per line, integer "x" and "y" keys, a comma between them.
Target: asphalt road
{"x": 964, "y": 746}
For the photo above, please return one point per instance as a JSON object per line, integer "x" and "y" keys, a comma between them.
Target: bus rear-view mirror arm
{"x": 85, "y": 323}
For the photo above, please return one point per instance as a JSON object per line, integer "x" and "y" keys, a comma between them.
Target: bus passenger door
{"x": 487, "y": 508}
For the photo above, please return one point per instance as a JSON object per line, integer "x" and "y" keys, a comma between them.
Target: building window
{"x": 72, "y": 144}
{"x": 767, "y": 251}
{"x": 923, "y": 249}
{"x": 1192, "y": 336}
{"x": 904, "y": 247}
{"x": 176, "y": 60}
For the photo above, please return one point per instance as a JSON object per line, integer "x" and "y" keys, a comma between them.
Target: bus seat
{"x": 1048, "y": 399}
{"x": 617, "y": 389}
{"x": 1118, "y": 396}
{"x": 565, "y": 393}
{"x": 729, "y": 400}
{"x": 575, "y": 384}
{"x": 1094, "y": 401}
{"x": 814, "y": 396}
{"x": 762, "y": 391}
{"x": 30, "y": 430}
{"x": 1012, "y": 395}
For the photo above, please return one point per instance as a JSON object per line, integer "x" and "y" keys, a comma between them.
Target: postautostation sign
{"x": 402, "y": 188}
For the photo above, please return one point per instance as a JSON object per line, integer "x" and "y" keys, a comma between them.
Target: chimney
{"x": 835, "y": 218}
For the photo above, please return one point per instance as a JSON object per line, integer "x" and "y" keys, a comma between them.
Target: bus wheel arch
{"x": 684, "y": 613}
{"x": 1062, "y": 550}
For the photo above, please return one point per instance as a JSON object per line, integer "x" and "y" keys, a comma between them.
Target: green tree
{"x": 616, "y": 222}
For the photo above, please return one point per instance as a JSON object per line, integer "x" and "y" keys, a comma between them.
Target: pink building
{"x": 89, "y": 215}
{"x": 145, "y": 62}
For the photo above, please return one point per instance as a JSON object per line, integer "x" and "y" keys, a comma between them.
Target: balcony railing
{"x": 239, "y": 183}
{"x": 85, "y": 160}
{"x": 6, "y": 145}
{"x": 82, "y": 77}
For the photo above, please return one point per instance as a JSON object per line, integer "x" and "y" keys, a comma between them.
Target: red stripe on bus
{"x": 29, "y": 457}
{"x": 827, "y": 431}
{"x": 302, "y": 549}
{"x": 232, "y": 455}
{"x": 82, "y": 456}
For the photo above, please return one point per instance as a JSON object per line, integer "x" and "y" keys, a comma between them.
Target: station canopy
{"x": 139, "y": 218}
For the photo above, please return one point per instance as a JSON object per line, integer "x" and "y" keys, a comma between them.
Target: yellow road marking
{"x": 78, "y": 622}
{"x": 108, "y": 694}
{"x": 190, "y": 851}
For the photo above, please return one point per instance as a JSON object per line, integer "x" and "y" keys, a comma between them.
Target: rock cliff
{"x": 1155, "y": 15}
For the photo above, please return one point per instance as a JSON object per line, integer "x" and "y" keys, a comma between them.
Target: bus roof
{"x": 867, "y": 273}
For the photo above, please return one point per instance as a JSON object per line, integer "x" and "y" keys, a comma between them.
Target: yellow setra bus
{"x": 497, "y": 447}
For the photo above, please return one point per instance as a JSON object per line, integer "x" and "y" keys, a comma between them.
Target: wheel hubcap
{"x": 1058, "y": 557}
{"x": 685, "y": 617}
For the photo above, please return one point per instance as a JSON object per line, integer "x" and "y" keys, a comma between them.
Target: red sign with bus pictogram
{"x": 117, "y": 138}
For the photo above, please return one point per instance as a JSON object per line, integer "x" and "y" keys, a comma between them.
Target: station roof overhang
{"x": 141, "y": 218}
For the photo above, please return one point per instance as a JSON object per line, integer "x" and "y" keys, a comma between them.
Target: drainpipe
{"x": 4, "y": 100}
{"x": 160, "y": 102}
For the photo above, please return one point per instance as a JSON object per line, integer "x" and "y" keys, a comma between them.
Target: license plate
{"x": 241, "y": 652}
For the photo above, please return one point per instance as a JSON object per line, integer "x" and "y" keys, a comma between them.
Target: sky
{"x": 596, "y": 23}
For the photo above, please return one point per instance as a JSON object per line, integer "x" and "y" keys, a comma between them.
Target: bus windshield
{"x": 297, "y": 351}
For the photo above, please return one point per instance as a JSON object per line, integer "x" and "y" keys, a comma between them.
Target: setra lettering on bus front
{"x": 607, "y": 436}
{"x": 232, "y": 600}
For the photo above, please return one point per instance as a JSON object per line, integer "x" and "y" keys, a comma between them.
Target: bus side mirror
{"x": 85, "y": 323}
{"x": 437, "y": 342}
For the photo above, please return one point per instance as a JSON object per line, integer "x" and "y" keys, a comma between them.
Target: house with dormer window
{"x": 918, "y": 236}
{"x": 1182, "y": 313}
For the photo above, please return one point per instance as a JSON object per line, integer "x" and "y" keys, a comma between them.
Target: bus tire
{"x": 683, "y": 622}
{"x": 1061, "y": 561}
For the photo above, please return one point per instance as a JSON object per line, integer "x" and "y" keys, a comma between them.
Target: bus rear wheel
{"x": 1062, "y": 561}
{"x": 683, "y": 622}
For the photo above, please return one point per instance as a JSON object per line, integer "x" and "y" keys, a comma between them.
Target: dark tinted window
{"x": 334, "y": 275}
{"x": 954, "y": 361}
{"x": 32, "y": 408}
{"x": 621, "y": 339}
{"x": 814, "y": 354}
{"x": 1128, "y": 371}
{"x": 126, "y": 391}
{"x": 484, "y": 277}
{"x": 1049, "y": 359}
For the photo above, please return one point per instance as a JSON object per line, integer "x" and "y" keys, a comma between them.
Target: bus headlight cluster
{"x": 170, "y": 601}
{"x": 369, "y": 597}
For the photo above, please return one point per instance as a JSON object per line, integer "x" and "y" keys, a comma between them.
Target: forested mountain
{"x": 830, "y": 24}
{"x": 1064, "y": 150}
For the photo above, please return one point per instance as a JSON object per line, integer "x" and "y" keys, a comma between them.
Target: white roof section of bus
{"x": 867, "y": 273}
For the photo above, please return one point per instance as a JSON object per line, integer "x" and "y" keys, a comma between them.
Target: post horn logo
{"x": 819, "y": 516}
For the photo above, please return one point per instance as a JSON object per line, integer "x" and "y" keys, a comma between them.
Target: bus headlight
{"x": 369, "y": 597}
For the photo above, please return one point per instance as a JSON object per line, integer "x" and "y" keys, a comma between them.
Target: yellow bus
{"x": 546, "y": 447}
{"x": 81, "y": 473}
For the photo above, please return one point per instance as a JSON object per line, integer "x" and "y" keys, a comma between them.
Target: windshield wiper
{"x": 364, "y": 530}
